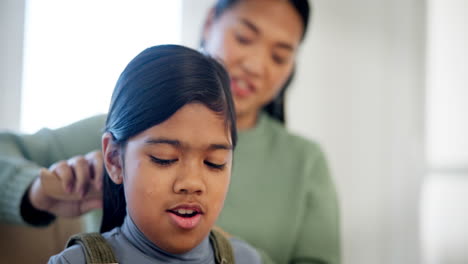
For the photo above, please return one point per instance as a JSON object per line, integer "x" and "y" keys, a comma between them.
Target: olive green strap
{"x": 222, "y": 248}
{"x": 95, "y": 247}
{"x": 98, "y": 251}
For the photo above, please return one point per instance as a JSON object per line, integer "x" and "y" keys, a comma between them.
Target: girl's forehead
{"x": 193, "y": 125}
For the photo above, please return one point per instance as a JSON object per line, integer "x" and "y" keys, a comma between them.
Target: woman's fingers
{"x": 52, "y": 187}
{"x": 65, "y": 174}
{"x": 73, "y": 208}
{"x": 81, "y": 173}
{"x": 96, "y": 162}
{"x": 40, "y": 191}
{"x": 70, "y": 188}
{"x": 90, "y": 204}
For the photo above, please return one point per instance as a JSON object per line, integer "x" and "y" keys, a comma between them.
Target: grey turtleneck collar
{"x": 131, "y": 246}
{"x": 203, "y": 253}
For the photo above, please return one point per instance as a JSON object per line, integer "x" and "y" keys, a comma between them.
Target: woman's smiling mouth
{"x": 241, "y": 88}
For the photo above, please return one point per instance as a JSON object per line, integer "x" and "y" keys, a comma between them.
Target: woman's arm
{"x": 22, "y": 157}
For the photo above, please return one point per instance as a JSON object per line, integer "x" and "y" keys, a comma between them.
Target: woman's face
{"x": 257, "y": 41}
{"x": 176, "y": 175}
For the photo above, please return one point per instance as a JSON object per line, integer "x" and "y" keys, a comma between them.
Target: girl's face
{"x": 176, "y": 176}
{"x": 257, "y": 41}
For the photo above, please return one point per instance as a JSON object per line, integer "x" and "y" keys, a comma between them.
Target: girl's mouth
{"x": 185, "y": 217}
{"x": 186, "y": 213}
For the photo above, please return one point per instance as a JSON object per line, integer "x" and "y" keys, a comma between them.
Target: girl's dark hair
{"x": 276, "y": 107}
{"x": 154, "y": 85}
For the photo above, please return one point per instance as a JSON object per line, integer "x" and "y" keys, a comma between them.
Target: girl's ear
{"x": 112, "y": 160}
{"x": 207, "y": 25}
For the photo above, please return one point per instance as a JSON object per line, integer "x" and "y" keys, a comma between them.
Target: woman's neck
{"x": 246, "y": 121}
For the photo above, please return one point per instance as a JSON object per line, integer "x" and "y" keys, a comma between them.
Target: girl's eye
{"x": 214, "y": 165}
{"x": 243, "y": 40}
{"x": 163, "y": 162}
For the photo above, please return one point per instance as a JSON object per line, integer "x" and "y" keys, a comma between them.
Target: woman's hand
{"x": 69, "y": 188}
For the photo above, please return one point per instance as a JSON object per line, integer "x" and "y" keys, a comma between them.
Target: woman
{"x": 167, "y": 147}
{"x": 280, "y": 180}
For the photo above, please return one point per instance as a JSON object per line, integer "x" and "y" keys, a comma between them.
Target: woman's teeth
{"x": 242, "y": 85}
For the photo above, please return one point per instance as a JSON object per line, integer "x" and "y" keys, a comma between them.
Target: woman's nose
{"x": 254, "y": 64}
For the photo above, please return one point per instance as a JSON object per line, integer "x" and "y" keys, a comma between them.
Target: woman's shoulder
{"x": 285, "y": 139}
{"x": 243, "y": 252}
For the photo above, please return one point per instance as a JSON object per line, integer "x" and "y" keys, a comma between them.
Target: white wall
{"x": 11, "y": 61}
{"x": 360, "y": 92}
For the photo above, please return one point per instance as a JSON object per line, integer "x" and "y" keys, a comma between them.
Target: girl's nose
{"x": 189, "y": 181}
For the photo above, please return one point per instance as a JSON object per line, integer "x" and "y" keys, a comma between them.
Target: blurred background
{"x": 381, "y": 85}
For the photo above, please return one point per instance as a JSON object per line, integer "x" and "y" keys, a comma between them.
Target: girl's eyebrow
{"x": 153, "y": 141}
{"x": 177, "y": 144}
{"x": 220, "y": 146}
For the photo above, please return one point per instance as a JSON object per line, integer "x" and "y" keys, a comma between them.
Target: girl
{"x": 281, "y": 181}
{"x": 167, "y": 148}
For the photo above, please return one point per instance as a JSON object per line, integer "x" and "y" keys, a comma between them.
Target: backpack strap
{"x": 222, "y": 248}
{"x": 95, "y": 247}
{"x": 97, "y": 250}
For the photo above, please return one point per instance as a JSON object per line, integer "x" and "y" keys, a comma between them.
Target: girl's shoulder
{"x": 243, "y": 252}
{"x": 70, "y": 255}
{"x": 75, "y": 253}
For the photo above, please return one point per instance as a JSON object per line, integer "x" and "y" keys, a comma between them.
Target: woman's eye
{"x": 278, "y": 59}
{"x": 214, "y": 165}
{"x": 243, "y": 40}
{"x": 163, "y": 162}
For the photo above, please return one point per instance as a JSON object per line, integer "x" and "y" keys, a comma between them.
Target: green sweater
{"x": 281, "y": 199}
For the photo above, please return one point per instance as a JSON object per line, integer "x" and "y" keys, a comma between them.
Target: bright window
{"x": 445, "y": 203}
{"x": 75, "y": 51}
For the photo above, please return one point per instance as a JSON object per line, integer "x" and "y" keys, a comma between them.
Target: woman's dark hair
{"x": 302, "y": 7}
{"x": 154, "y": 85}
{"x": 276, "y": 107}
